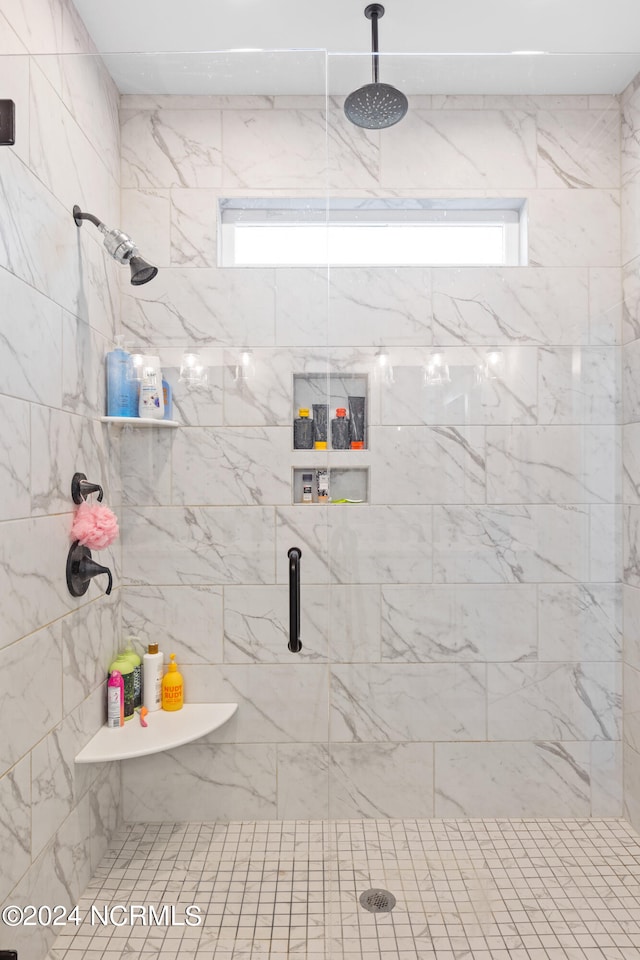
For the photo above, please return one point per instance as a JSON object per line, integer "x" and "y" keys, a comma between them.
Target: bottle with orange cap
{"x": 172, "y": 687}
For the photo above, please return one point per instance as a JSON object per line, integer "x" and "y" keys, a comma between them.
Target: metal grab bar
{"x": 294, "y": 554}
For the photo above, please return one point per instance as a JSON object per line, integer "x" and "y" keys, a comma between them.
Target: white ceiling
{"x": 608, "y": 30}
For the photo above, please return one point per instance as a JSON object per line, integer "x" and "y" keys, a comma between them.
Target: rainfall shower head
{"x": 121, "y": 247}
{"x": 376, "y": 105}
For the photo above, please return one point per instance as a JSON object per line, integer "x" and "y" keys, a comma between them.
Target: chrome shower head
{"x": 376, "y": 105}
{"x": 121, "y": 247}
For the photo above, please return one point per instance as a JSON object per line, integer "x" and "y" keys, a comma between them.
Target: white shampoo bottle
{"x": 151, "y": 400}
{"x": 152, "y": 670}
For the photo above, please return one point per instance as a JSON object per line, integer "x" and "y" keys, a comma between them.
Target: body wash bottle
{"x": 151, "y": 402}
{"x": 172, "y": 687}
{"x": 152, "y": 669}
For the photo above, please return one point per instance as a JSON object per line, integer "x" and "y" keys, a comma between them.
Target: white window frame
{"x": 235, "y": 214}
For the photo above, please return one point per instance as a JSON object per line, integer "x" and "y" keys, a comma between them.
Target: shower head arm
{"x": 79, "y": 216}
{"x": 373, "y": 12}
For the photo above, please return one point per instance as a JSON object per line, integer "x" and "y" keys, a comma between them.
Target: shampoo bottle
{"x": 152, "y": 669}
{"x": 151, "y": 401}
{"x": 118, "y": 382}
{"x": 172, "y": 687}
{"x": 115, "y": 700}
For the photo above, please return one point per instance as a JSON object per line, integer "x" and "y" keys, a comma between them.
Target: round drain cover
{"x": 377, "y": 901}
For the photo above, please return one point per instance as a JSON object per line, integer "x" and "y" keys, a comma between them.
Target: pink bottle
{"x": 115, "y": 700}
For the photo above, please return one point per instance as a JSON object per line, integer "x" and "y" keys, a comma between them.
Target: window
{"x": 260, "y": 232}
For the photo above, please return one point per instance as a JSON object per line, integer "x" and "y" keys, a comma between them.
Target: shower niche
{"x": 328, "y": 398}
{"x": 329, "y": 437}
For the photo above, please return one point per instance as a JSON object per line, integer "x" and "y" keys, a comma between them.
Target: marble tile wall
{"x": 60, "y": 307}
{"x": 462, "y": 631}
{"x": 630, "y": 208}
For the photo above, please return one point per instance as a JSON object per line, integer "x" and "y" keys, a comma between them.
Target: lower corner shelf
{"x": 165, "y": 731}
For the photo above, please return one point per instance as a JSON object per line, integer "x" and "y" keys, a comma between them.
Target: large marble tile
{"x": 461, "y": 149}
{"x": 105, "y": 797}
{"x": 631, "y": 382}
{"x": 631, "y": 463}
{"x": 30, "y": 367}
{"x": 302, "y": 305}
{"x": 400, "y": 702}
{"x": 425, "y": 623}
{"x": 60, "y": 875}
{"x": 579, "y": 385}
{"x": 631, "y": 766}
{"x": 606, "y": 306}
{"x": 560, "y": 701}
{"x": 277, "y": 702}
{"x": 509, "y": 306}
{"x": 512, "y": 544}
{"x": 631, "y": 300}
{"x": 90, "y": 639}
{"x": 207, "y": 307}
{"x": 306, "y": 527}
{"x": 578, "y": 622}
{"x": 427, "y": 465}
{"x": 15, "y": 835}
{"x": 512, "y": 780}
{"x": 185, "y": 620}
{"x": 381, "y": 780}
{"x": 61, "y": 444}
{"x": 256, "y": 624}
{"x": 578, "y": 148}
{"x": 631, "y": 547}
{"x": 198, "y": 405}
{"x": 303, "y": 781}
{"x": 606, "y": 778}
{"x": 32, "y": 582}
{"x": 31, "y": 701}
{"x": 197, "y": 545}
{"x": 201, "y": 782}
{"x": 605, "y": 542}
{"x": 60, "y": 154}
{"x": 631, "y": 703}
{"x": 232, "y": 465}
{"x": 630, "y": 232}
{"x": 573, "y": 228}
{"x": 379, "y": 544}
{"x": 631, "y": 603}
{"x": 15, "y": 468}
{"x": 353, "y": 153}
{"x": 553, "y": 464}
{"x": 83, "y": 376}
{"x": 194, "y": 216}
{"x": 146, "y": 216}
{"x": 467, "y": 399}
{"x": 171, "y": 148}
{"x": 146, "y": 458}
{"x": 57, "y": 782}
{"x": 274, "y": 148}
{"x": 366, "y": 304}
{"x": 354, "y": 623}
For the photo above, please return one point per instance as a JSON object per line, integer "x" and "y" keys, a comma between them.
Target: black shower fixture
{"x": 121, "y": 247}
{"x": 376, "y": 105}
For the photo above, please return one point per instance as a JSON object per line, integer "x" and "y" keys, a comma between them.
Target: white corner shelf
{"x": 140, "y": 422}
{"x": 165, "y": 730}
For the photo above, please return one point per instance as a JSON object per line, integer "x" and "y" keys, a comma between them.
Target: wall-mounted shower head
{"x": 121, "y": 247}
{"x": 376, "y": 105}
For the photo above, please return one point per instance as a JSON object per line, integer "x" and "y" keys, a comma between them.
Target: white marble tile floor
{"x": 563, "y": 889}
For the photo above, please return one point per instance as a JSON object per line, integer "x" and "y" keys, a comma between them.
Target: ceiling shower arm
{"x": 374, "y": 11}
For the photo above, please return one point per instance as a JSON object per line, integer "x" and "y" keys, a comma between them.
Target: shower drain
{"x": 377, "y": 901}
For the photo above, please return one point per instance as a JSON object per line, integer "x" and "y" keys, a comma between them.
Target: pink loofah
{"x": 94, "y": 526}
